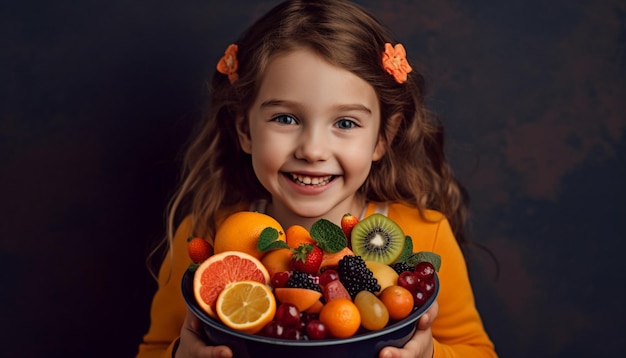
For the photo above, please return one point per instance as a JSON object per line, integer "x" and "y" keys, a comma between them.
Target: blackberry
{"x": 401, "y": 267}
{"x": 355, "y": 275}
{"x": 302, "y": 280}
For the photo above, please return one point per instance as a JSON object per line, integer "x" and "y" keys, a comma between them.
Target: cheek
{"x": 267, "y": 154}
{"x": 261, "y": 142}
{"x": 361, "y": 151}
{"x": 357, "y": 163}
{"x": 357, "y": 158}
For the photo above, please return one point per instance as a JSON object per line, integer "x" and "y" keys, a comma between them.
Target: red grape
{"x": 273, "y": 330}
{"x": 288, "y": 315}
{"x": 328, "y": 276}
{"x": 408, "y": 280}
{"x": 292, "y": 333}
{"x": 279, "y": 279}
{"x": 424, "y": 270}
{"x": 315, "y": 330}
{"x": 419, "y": 297}
{"x": 428, "y": 286}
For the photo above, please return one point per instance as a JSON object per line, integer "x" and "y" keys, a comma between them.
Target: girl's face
{"x": 313, "y": 133}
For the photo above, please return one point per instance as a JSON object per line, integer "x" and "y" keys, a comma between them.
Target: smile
{"x": 309, "y": 180}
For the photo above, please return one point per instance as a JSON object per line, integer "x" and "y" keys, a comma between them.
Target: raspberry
{"x": 302, "y": 280}
{"x": 355, "y": 275}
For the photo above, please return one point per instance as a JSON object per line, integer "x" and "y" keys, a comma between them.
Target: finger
{"x": 390, "y": 352}
{"x": 193, "y": 323}
{"x": 194, "y": 340}
{"x": 393, "y": 352}
{"x": 221, "y": 352}
{"x": 420, "y": 345}
{"x": 427, "y": 319}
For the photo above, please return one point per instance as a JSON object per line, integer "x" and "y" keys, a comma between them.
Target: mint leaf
{"x": 407, "y": 250}
{"x": 193, "y": 267}
{"x": 428, "y": 256}
{"x": 328, "y": 235}
{"x": 268, "y": 240}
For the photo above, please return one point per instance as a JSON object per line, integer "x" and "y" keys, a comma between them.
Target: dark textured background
{"x": 97, "y": 98}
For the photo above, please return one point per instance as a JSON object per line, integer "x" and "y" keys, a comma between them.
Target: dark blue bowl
{"x": 244, "y": 345}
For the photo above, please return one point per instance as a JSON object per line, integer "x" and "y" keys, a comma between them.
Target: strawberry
{"x": 307, "y": 258}
{"x": 199, "y": 249}
{"x": 347, "y": 223}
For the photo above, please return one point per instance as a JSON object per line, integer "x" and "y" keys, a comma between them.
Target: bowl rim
{"x": 190, "y": 300}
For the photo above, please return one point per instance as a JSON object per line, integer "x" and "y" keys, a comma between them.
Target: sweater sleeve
{"x": 168, "y": 308}
{"x": 457, "y": 330}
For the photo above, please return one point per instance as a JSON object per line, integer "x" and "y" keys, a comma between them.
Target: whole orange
{"x": 341, "y": 317}
{"x": 241, "y": 230}
{"x": 398, "y": 300}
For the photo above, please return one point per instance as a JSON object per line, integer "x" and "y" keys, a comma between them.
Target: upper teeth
{"x": 307, "y": 180}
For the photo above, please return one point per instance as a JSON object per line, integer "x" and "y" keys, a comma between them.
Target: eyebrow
{"x": 341, "y": 107}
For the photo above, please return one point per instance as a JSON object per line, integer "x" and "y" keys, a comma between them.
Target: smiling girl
{"x": 312, "y": 134}
{"x": 316, "y": 111}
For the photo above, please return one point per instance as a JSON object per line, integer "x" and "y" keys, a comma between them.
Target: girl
{"x": 316, "y": 112}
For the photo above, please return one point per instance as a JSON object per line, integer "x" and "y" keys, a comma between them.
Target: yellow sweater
{"x": 458, "y": 330}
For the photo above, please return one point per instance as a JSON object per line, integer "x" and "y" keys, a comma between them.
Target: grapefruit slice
{"x": 216, "y": 272}
{"x": 302, "y": 298}
{"x": 246, "y": 306}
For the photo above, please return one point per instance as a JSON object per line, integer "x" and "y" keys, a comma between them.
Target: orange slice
{"x": 302, "y": 298}
{"x": 216, "y": 272}
{"x": 246, "y": 306}
{"x": 278, "y": 260}
{"x": 315, "y": 307}
{"x": 296, "y": 235}
{"x": 331, "y": 260}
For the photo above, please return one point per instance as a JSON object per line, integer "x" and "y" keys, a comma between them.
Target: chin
{"x": 308, "y": 210}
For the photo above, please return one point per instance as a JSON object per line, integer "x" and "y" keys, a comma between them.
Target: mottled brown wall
{"x": 96, "y": 99}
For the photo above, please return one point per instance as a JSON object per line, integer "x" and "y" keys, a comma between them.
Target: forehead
{"x": 302, "y": 75}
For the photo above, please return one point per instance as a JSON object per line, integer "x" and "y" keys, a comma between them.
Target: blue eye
{"x": 284, "y": 119}
{"x": 346, "y": 123}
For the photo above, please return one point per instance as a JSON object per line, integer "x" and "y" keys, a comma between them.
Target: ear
{"x": 386, "y": 136}
{"x": 243, "y": 133}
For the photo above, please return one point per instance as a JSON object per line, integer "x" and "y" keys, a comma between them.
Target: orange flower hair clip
{"x": 228, "y": 63}
{"x": 395, "y": 63}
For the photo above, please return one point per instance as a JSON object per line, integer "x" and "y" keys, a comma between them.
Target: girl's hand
{"x": 192, "y": 341}
{"x": 421, "y": 344}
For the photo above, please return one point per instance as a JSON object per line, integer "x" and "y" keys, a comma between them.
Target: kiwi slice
{"x": 377, "y": 238}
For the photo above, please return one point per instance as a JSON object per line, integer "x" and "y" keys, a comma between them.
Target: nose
{"x": 313, "y": 145}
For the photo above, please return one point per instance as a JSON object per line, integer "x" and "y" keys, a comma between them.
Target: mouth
{"x": 310, "y": 180}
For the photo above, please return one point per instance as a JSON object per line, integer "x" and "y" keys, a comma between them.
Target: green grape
{"x": 374, "y": 314}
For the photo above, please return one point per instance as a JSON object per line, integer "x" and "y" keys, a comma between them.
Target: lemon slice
{"x": 246, "y": 306}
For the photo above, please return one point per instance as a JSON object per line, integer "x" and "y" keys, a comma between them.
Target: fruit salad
{"x": 330, "y": 282}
